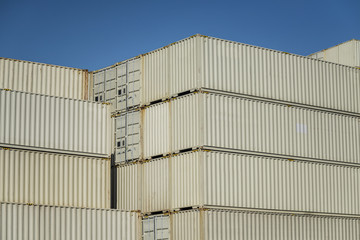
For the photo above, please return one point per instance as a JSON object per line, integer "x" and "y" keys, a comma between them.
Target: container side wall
{"x": 231, "y": 225}
{"x": 53, "y": 222}
{"x": 54, "y": 179}
{"x": 241, "y": 225}
{"x": 236, "y": 180}
{"x": 43, "y": 79}
{"x": 260, "y": 127}
{"x": 33, "y": 121}
{"x": 250, "y": 70}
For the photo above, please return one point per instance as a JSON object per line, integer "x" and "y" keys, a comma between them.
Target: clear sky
{"x": 95, "y": 34}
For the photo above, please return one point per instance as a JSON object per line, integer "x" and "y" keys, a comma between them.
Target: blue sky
{"x": 95, "y": 34}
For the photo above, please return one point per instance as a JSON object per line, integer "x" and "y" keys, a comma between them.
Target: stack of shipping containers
{"x": 210, "y": 139}
{"x": 231, "y": 141}
{"x": 55, "y": 157}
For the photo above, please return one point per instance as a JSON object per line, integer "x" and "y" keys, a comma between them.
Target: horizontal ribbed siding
{"x": 54, "y": 179}
{"x": 44, "y": 79}
{"x": 32, "y": 121}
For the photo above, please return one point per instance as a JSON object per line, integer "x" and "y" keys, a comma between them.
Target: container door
{"x": 134, "y": 89}
{"x": 133, "y": 135}
{"x": 148, "y": 226}
{"x": 162, "y": 226}
{"x": 121, "y": 98}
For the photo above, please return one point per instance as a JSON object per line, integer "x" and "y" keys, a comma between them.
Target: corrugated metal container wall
{"x": 33, "y": 121}
{"x": 239, "y": 124}
{"x": 155, "y": 121}
{"x": 234, "y": 225}
{"x": 205, "y": 62}
{"x": 129, "y": 179}
{"x": 347, "y": 53}
{"x": 54, "y": 179}
{"x": 23, "y": 222}
{"x": 45, "y": 79}
{"x": 156, "y": 185}
{"x": 235, "y": 180}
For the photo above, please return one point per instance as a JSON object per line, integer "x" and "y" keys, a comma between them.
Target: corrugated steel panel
{"x": 33, "y": 121}
{"x": 252, "y": 182}
{"x": 205, "y": 62}
{"x": 234, "y": 225}
{"x": 129, "y": 179}
{"x": 63, "y": 223}
{"x": 156, "y": 127}
{"x": 156, "y": 185}
{"x": 238, "y": 124}
{"x": 45, "y": 79}
{"x": 347, "y": 53}
{"x": 54, "y": 179}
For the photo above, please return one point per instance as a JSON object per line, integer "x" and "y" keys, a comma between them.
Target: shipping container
{"x": 119, "y": 84}
{"x": 54, "y": 179}
{"x": 214, "y": 224}
{"x": 232, "y": 123}
{"x": 44, "y": 79}
{"x": 156, "y": 227}
{"x": 41, "y": 222}
{"x": 206, "y": 63}
{"x": 347, "y": 53}
{"x": 203, "y": 178}
{"x": 40, "y": 122}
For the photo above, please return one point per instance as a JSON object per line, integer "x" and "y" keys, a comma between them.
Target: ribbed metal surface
{"x": 238, "y": 124}
{"x": 156, "y": 185}
{"x": 347, "y": 53}
{"x": 156, "y": 127}
{"x": 23, "y": 222}
{"x": 234, "y": 225}
{"x": 54, "y": 179}
{"x": 205, "y": 62}
{"x": 171, "y": 70}
{"x": 129, "y": 179}
{"x": 236, "y": 180}
{"x": 33, "y": 121}
{"x": 44, "y": 79}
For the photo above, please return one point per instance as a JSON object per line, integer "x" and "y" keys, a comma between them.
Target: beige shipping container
{"x": 38, "y": 222}
{"x": 54, "y": 179}
{"x": 203, "y": 179}
{"x": 232, "y": 123}
{"x": 40, "y": 122}
{"x": 201, "y": 62}
{"x": 45, "y": 79}
{"x": 347, "y": 53}
{"x": 214, "y": 224}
